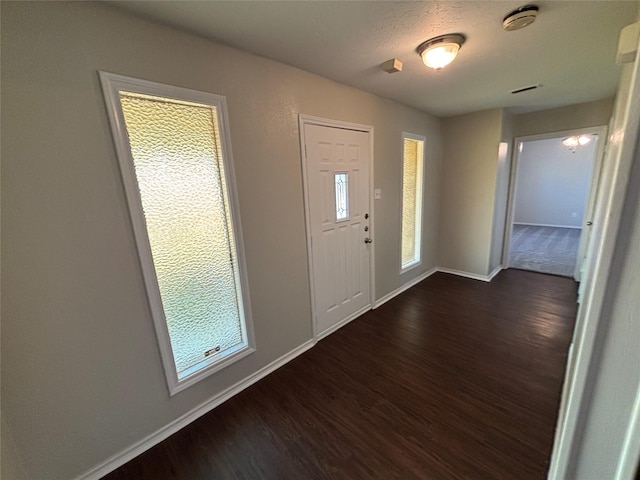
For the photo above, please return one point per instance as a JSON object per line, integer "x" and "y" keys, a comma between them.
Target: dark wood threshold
{"x": 453, "y": 379}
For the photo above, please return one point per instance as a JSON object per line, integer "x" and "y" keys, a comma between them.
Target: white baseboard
{"x": 404, "y": 287}
{"x": 496, "y": 271}
{"x": 342, "y": 323}
{"x": 547, "y": 225}
{"x": 145, "y": 444}
{"x": 418, "y": 279}
{"x": 475, "y": 276}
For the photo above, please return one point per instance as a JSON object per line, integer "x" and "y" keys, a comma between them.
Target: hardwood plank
{"x": 455, "y": 378}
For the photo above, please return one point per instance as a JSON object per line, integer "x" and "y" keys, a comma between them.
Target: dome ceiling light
{"x": 438, "y": 52}
{"x": 575, "y": 141}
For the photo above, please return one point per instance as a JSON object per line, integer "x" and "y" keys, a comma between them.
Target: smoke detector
{"x": 520, "y": 18}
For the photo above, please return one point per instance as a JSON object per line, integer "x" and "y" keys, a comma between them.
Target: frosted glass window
{"x": 341, "y": 181}
{"x": 412, "y": 166}
{"x": 183, "y": 190}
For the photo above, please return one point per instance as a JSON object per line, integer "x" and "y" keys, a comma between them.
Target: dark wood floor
{"x": 453, "y": 379}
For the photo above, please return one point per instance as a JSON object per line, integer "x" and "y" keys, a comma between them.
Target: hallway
{"x": 455, "y": 378}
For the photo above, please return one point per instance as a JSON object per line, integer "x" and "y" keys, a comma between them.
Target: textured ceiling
{"x": 570, "y": 49}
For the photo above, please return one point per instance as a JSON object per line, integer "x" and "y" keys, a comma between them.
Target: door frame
{"x": 601, "y": 131}
{"x": 303, "y": 120}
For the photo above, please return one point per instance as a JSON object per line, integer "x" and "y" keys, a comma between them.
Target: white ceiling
{"x": 570, "y": 49}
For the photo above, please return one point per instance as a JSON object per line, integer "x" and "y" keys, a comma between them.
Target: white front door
{"x": 337, "y": 183}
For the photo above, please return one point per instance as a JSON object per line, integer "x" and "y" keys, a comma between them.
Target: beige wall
{"x": 81, "y": 373}
{"x": 582, "y": 115}
{"x": 469, "y": 174}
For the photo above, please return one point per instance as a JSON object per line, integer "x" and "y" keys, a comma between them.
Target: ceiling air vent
{"x": 525, "y": 89}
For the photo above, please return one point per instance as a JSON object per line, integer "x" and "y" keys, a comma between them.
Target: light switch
{"x": 377, "y": 194}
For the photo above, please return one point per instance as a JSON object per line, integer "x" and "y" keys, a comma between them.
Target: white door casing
{"x": 338, "y": 232}
{"x": 587, "y": 221}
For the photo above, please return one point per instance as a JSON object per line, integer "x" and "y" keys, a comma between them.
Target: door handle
{"x": 589, "y": 224}
{"x": 368, "y": 240}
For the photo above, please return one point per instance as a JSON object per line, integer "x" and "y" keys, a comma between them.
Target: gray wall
{"x": 572, "y": 117}
{"x": 553, "y": 183}
{"x": 81, "y": 372}
{"x": 469, "y": 176}
{"x": 12, "y": 467}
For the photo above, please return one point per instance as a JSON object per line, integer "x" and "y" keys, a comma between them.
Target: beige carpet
{"x": 544, "y": 249}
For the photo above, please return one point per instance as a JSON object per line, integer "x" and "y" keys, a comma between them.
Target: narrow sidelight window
{"x": 412, "y": 180}
{"x": 175, "y": 160}
{"x": 341, "y": 183}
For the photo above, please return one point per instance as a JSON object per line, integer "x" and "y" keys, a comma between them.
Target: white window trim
{"x": 419, "y": 202}
{"x": 112, "y": 84}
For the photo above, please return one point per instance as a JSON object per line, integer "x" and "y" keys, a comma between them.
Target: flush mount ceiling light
{"x": 440, "y": 51}
{"x": 520, "y": 18}
{"x": 575, "y": 141}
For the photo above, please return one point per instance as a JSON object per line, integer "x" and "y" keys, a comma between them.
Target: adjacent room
{"x": 551, "y": 205}
{"x": 277, "y": 240}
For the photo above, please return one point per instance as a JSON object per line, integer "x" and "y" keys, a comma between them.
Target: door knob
{"x": 368, "y": 240}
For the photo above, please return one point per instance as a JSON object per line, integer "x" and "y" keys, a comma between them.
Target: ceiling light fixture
{"x": 438, "y": 52}
{"x": 576, "y": 141}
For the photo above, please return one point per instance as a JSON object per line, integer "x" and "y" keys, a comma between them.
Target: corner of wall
{"x": 470, "y": 152}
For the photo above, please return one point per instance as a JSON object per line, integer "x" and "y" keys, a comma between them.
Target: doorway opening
{"x": 553, "y": 191}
